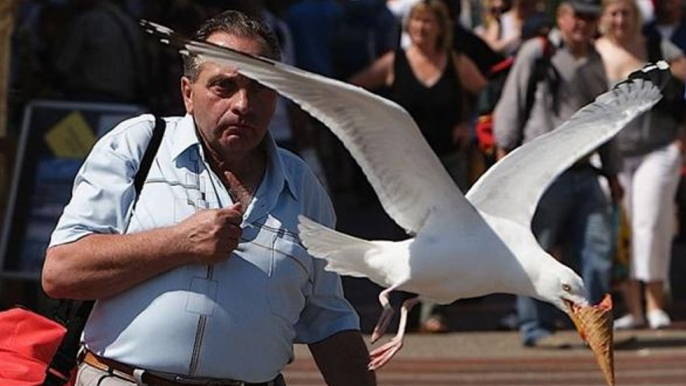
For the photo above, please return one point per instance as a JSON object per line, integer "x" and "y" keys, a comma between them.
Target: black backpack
{"x": 488, "y": 97}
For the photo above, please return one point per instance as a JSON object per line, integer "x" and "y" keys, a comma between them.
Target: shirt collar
{"x": 184, "y": 136}
{"x": 276, "y": 175}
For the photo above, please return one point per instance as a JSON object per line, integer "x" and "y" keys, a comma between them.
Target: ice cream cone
{"x": 594, "y": 324}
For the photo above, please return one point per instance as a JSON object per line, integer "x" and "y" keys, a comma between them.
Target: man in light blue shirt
{"x": 206, "y": 280}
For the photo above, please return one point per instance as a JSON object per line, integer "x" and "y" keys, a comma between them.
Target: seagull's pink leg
{"x": 383, "y": 354}
{"x": 386, "y": 314}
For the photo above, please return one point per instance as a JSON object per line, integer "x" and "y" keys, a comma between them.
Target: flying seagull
{"x": 460, "y": 247}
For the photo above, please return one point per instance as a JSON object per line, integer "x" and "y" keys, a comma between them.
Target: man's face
{"x": 231, "y": 111}
{"x": 577, "y": 27}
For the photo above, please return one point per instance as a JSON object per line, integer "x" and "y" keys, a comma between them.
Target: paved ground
{"x": 642, "y": 357}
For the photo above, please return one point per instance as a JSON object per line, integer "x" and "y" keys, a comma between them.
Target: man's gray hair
{"x": 233, "y": 23}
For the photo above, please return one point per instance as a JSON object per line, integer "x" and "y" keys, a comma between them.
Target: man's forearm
{"x": 342, "y": 359}
{"x": 101, "y": 265}
{"x": 98, "y": 265}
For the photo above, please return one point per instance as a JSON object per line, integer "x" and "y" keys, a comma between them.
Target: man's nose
{"x": 241, "y": 100}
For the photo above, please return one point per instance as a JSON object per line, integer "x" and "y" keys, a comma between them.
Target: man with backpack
{"x": 205, "y": 282}
{"x": 573, "y": 218}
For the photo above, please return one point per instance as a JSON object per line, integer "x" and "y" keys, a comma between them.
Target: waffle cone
{"x": 594, "y": 324}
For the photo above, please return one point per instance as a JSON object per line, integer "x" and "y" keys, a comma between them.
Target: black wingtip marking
{"x": 186, "y": 46}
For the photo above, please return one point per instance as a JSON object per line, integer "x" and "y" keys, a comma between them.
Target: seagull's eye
{"x": 567, "y": 287}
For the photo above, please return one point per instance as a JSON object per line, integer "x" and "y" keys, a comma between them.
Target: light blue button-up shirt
{"x": 236, "y": 319}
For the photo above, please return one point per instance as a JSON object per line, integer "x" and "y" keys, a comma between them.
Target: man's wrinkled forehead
{"x": 238, "y": 43}
{"x": 215, "y": 69}
{"x": 253, "y": 45}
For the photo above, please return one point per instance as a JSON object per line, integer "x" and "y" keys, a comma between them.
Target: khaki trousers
{"x": 90, "y": 376}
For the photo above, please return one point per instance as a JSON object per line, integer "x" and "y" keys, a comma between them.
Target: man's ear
{"x": 187, "y": 93}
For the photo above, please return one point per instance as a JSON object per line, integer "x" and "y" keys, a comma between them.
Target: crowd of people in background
{"x": 435, "y": 58}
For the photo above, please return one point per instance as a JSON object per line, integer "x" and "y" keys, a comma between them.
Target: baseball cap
{"x": 591, "y": 7}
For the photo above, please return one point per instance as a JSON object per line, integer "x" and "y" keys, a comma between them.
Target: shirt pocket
{"x": 290, "y": 282}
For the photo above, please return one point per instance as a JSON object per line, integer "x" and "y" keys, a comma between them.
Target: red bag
{"x": 484, "y": 133}
{"x": 28, "y": 343}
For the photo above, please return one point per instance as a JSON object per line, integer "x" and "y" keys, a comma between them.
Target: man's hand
{"x": 211, "y": 235}
{"x": 500, "y": 153}
{"x": 616, "y": 189}
{"x": 101, "y": 265}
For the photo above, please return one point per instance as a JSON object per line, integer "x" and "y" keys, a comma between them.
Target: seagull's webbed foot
{"x": 383, "y": 354}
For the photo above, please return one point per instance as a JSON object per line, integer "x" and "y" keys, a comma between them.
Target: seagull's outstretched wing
{"x": 382, "y": 137}
{"x": 512, "y": 187}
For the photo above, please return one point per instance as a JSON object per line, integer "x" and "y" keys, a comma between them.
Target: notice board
{"x": 55, "y": 138}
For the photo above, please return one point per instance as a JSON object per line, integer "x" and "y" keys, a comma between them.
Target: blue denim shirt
{"x": 236, "y": 319}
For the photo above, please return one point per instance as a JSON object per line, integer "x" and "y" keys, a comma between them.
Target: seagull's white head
{"x": 561, "y": 286}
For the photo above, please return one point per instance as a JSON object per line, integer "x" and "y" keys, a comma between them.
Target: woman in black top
{"x": 432, "y": 82}
{"x": 429, "y": 79}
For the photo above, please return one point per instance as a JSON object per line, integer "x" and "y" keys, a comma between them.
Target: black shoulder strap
{"x": 57, "y": 373}
{"x": 149, "y": 156}
{"x": 539, "y": 73}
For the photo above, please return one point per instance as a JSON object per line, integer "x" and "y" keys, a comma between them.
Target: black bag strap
{"x": 543, "y": 70}
{"x": 57, "y": 373}
{"x": 64, "y": 360}
{"x": 149, "y": 156}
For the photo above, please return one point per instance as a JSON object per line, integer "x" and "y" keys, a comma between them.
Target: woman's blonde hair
{"x": 440, "y": 11}
{"x": 603, "y": 28}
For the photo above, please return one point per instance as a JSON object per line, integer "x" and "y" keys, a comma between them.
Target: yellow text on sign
{"x": 72, "y": 137}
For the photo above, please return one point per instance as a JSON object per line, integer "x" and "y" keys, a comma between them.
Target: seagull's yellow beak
{"x": 594, "y": 324}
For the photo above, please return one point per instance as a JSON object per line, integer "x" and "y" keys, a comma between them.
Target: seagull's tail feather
{"x": 345, "y": 255}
